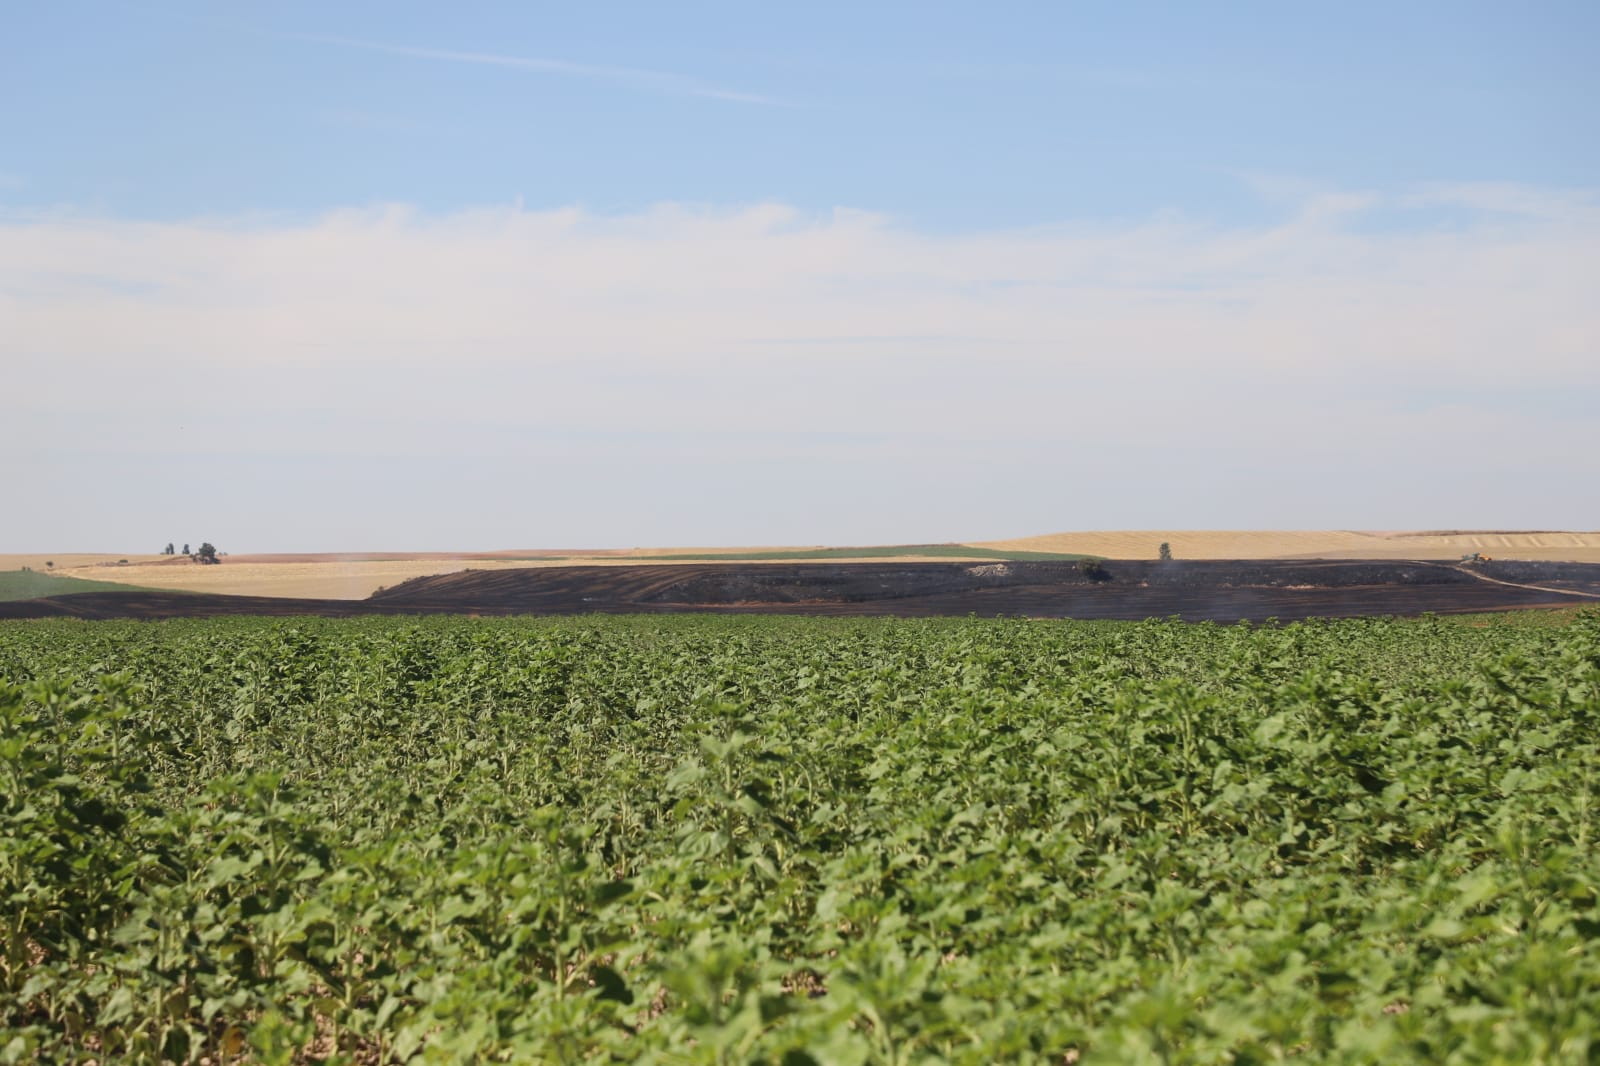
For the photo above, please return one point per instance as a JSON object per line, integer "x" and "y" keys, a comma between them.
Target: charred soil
{"x": 1197, "y": 591}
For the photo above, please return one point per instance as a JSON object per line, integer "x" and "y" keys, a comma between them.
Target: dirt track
{"x": 1196, "y": 591}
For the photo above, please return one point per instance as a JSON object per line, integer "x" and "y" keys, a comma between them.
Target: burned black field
{"x": 1213, "y": 591}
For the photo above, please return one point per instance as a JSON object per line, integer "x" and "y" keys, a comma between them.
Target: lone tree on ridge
{"x": 206, "y": 554}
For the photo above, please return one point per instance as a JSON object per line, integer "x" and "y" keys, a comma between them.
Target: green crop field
{"x": 31, "y": 584}
{"x": 734, "y": 840}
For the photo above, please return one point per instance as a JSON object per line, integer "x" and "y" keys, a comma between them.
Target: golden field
{"x": 313, "y": 576}
{"x": 67, "y": 561}
{"x": 1316, "y": 544}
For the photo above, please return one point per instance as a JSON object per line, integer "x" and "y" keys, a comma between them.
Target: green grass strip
{"x": 33, "y": 585}
{"x": 893, "y": 551}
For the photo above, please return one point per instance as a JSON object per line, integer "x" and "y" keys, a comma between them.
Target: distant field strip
{"x": 920, "y": 552}
{"x": 316, "y": 580}
{"x": 355, "y": 576}
{"x": 356, "y": 579}
{"x": 1577, "y": 547}
{"x": 33, "y": 585}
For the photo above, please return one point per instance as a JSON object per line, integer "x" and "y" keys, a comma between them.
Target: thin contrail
{"x": 653, "y": 79}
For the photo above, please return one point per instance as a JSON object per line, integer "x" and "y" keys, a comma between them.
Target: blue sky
{"x": 698, "y": 274}
{"x": 945, "y": 116}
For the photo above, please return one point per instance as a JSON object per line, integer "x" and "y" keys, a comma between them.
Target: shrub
{"x": 1093, "y": 570}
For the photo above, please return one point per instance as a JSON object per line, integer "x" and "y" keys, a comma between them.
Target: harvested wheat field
{"x": 304, "y": 577}
{"x": 1316, "y": 544}
{"x": 344, "y": 577}
{"x": 41, "y": 561}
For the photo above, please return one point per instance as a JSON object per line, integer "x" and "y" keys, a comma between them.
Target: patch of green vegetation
{"x": 891, "y": 551}
{"x": 1550, "y": 617}
{"x": 765, "y": 839}
{"x": 33, "y": 585}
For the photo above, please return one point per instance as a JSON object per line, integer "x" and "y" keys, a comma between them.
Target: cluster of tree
{"x": 206, "y": 554}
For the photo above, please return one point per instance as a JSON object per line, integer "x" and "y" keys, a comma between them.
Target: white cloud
{"x": 1514, "y": 200}
{"x": 676, "y": 289}
{"x": 1169, "y": 352}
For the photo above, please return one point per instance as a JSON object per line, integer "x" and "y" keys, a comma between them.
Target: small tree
{"x": 49, "y": 565}
{"x": 1166, "y": 552}
{"x": 169, "y": 549}
{"x": 206, "y": 554}
{"x": 186, "y": 549}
